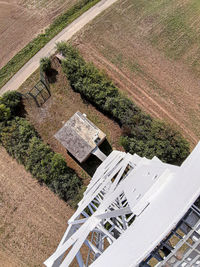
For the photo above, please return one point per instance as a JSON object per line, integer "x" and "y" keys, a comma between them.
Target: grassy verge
{"x": 41, "y": 40}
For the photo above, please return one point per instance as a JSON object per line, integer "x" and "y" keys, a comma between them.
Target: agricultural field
{"x": 32, "y": 218}
{"x": 22, "y": 20}
{"x": 151, "y": 50}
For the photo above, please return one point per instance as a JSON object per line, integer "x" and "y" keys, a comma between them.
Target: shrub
{"x": 23, "y": 143}
{"x": 5, "y": 113}
{"x": 11, "y": 100}
{"x": 45, "y": 64}
{"x": 66, "y": 186}
{"x": 61, "y": 48}
{"x": 147, "y": 137}
{"x": 15, "y": 137}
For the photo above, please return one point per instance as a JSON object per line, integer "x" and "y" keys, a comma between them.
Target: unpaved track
{"x": 49, "y": 49}
{"x": 32, "y": 218}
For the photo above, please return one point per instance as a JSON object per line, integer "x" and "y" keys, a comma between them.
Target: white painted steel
{"x": 130, "y": 206}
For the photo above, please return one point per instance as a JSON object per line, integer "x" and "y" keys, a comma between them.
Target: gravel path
{"x": 16, "y": 81}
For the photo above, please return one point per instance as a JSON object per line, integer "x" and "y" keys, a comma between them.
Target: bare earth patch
{"x": 22, "y": 20}
{"x": 32, "y": 218}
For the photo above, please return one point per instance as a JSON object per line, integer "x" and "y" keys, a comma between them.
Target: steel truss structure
{"x": 182, "y": 247}
{"x": 126, "y": 219}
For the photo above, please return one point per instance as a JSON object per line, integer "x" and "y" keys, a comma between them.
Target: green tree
{"x": 12, "y": 100}
{"x": 45, "y": 64}
{"x": 5, "y": 113}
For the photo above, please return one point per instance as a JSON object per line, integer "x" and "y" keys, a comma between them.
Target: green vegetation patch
{"x": 172, "y": 26}
{"x": 23, "y": 143}
{"x": 177, "y": 29}
{"x": 41, "y": 40}
{"x": 142, "y": 134}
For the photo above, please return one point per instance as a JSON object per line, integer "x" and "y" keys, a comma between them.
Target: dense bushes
{"x": 45, "y": 64}
{"x": 147, "y": 136}
{"x": 23, "y": 143}
{"x": 4, "y": 113}
{"x": 11, "y": 101}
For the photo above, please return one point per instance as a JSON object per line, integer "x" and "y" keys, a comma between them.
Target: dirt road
{"x": 49, "y": 49}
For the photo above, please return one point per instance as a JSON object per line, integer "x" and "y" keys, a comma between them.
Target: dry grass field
{"x": 22, "y": 20}
{"x": 32, "y": 218}
{"x": 151, "y": 49}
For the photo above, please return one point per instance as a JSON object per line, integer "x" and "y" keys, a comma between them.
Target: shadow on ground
{"x": 92, "y": 163}
{"x": 52, "y": 75}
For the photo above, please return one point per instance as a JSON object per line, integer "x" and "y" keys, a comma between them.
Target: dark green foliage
{"x": 42, "y": 39}
{"x": 45, "y": 64}
{"x": 147, "y": 137}
{"x": 66, "y": 186}
{"x": 160, "y": 140}
{"x": 62, "y": 48}
{"x": 22, "y": 142}
{"x": 15, "y": 137}
{"x": 87, "y": 80}
{"x": 12, "y": 101}
{"x": 74, "y": 202}
{"x": 5, "y": 113}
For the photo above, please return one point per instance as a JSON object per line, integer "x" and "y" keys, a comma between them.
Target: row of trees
{"x": 23, "y": 143}
{"x": 144, "y": 135}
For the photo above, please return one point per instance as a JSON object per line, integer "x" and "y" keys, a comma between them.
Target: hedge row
{"x": 41, "y": 40}
{"x": 144, "y": 135}
{"x": 23, "y": 143}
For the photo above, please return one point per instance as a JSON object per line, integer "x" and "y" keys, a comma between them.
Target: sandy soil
{"x": 22, "y": 20}
{"x": 32, "y": 218}
{"x": 131, "y": 41}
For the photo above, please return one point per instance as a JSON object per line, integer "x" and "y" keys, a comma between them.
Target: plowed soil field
{"x": 151, "y": 49}
{"x": 32, "y": 218}
{"x": 22, "y": 20}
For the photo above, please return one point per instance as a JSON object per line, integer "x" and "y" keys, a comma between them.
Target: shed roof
{"x": 78, "y": 136}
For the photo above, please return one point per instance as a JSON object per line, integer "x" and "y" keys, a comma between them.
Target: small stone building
{"x": 81, "y": 137}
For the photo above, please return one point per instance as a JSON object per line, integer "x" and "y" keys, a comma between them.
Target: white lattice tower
{"x": 121, "y": 203}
